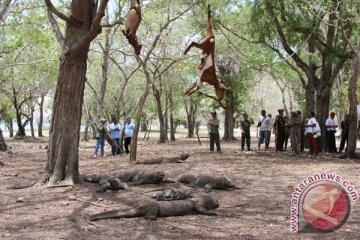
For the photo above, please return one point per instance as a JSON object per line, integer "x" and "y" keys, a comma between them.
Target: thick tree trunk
{"x": 353, "y": 104}
{"x": 21, "y": 129}
{"x": 322, "y": 102}
{"x": 162, "y": 137}
{"x": 191, "y": 118}
{"x": 229, "y": 117}
{"x": 41, "y": 117}
{"x": 62, "y": 163}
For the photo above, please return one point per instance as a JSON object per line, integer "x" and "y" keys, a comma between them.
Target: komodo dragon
{"x": 152, "y": 210}
{"x": 139, "y": 178}
{"x": 106, "y": 182}
{"x": 208, "y": 182}
{"x": 171, "y": 194}
{"x": 180, "y": 159}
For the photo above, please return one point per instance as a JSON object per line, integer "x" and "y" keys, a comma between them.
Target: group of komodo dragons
{"x": 169, "y": 201}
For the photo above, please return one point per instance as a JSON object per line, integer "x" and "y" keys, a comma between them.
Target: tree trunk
{"x": 191, "y": 118}
{"x": 104, "y": 73}
{"x": 62, "y": 163}
{"x": 21, "y": 130}
{"x": 162, "y": 137}
{"x": 323, "y": 102}
{"x": 10, "y": 126}
{"x": 3, "y": 146}
{"x": 41, "y": 117}
{"x": 86, "y": 131}
{"x": 172, "y": 125}
{"x": 353, "y": 105}
{"x": 229, "y": 117}
{"x": 31, "y": 120}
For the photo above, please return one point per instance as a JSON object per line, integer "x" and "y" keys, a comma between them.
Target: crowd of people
{"x": 120, "y": 136}
{"x": 295, "y": 127}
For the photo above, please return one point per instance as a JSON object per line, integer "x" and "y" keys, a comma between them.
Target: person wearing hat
{"x": 280, "y": 130}
{"x": 99, "y": 135}
{"x": 115, "y": 133}
{"x": 245, "y": 131}
{"x": 214, "y": 124}
{"x": 264, "y": 124}
{"x": 330, "y": 133}
{"x": 295, "y": 126}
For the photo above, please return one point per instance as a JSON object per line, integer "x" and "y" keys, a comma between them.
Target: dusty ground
{"x": 259, "y": 211}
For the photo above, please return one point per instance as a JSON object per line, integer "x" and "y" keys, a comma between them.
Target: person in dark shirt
{"x": 344, "y": 133}
{"x": 245, "y": 131}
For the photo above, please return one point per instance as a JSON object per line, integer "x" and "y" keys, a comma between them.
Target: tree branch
{"x": 95, "y": 27}
{"x": 4, "y": 9}
{"x": 62, "y": 16}
{"x": 56, "y": 29}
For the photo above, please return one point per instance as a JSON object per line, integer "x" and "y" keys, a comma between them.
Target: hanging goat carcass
{"x": 132, "y": 22}
{"x": 206, "y": 68}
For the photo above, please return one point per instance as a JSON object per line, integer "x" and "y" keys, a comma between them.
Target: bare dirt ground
{"x": 260, "y": 210}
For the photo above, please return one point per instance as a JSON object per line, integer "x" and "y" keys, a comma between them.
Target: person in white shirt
{"x": 115, "y": 133}
{"x": 330, "y": 133}
{"x": 264, "y": 123}
{"x": 128, "y": 131}
{"x": 309, "y": 132}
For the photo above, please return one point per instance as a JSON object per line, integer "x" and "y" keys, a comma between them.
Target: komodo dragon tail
{"x": 129, "y": 213}
{"x": 22, "y": 186}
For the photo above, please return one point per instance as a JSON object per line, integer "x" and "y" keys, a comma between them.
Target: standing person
{"x": 264, "y": 123}
{"x": 268, "y": 136}
{"x": 99, "y": 135}
{"x": 214, "y": 124}
{"x": 302, "y": 135}
{"x": 330, "y": 133}
{"x": 115, "y": 132}
{"x": 128, "y": 131}
{"x": 295, "y": 125}
{"x": 309, "y": 131}
{"x": 344, "y": 133}
{"x": 279, "y": 129}
{"x": 245, "y": 125}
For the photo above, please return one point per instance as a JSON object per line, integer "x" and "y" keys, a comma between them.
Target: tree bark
{"x": 41, "y": 117}
{"x": 353, "y": 105}
{"x": 229, "y": 117}
{"x": 3, "y": 146}
{"x": 10, "y": 126}
{"x": 157, "y": 95}
{"x": 191, "y": 118}
{"x": 83, "y": 26}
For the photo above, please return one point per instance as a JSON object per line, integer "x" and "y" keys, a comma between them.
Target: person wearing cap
{"x": 214, "y": 124}
{"x": 264, "y": 123}
{"x": 99, "y": 135}
{"x": 115, "y": 133}
{"x": 245, "y": 125}
{"x": 295, "y": 126}
{"x": 330, "y": 133}
{"x": 344, "y": 133}
{"x": 280, "y": 130}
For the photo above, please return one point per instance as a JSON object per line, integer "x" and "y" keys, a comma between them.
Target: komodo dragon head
{"x": 169, "y": 194}
{"x": 159, "y": 174}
